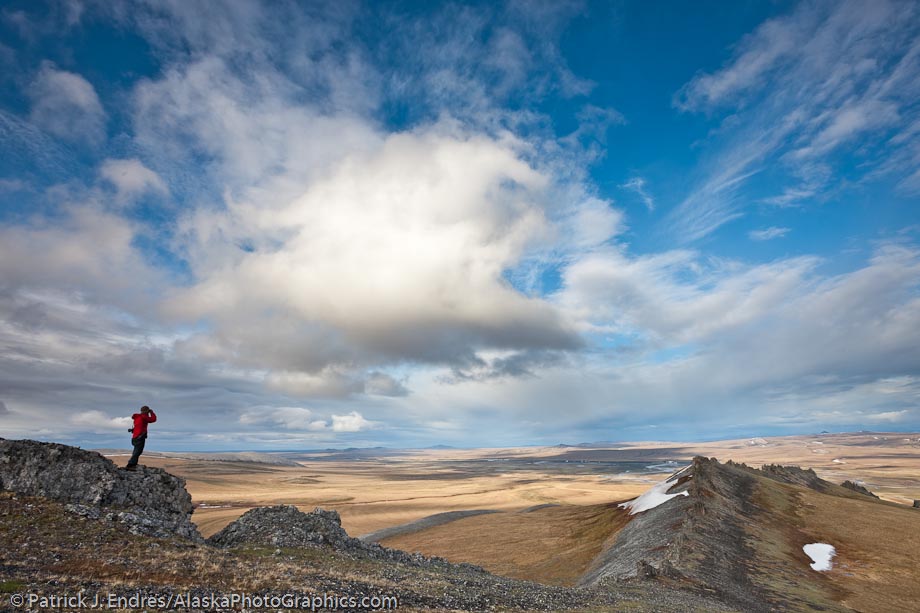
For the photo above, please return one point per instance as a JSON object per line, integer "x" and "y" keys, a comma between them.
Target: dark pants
{"x": 138, "y": 449}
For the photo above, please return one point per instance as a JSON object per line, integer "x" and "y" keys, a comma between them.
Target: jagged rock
{"x": 644, "y": 570}
{"x": 850, "y": 485}
{"x": 795, "y": 476}
{"x": 149, "y": 501}
{"x": 287, "y": 526}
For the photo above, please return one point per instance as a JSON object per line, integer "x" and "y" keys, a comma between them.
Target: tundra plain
{"x": 374, "y": 489}
{"x": 546, "y": 514}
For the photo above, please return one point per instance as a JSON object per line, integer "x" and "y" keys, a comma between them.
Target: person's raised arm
{"x": 151, "y": 416}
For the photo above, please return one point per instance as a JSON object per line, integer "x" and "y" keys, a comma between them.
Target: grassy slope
{"x": 552, "y": 545}
{"x": 876, "y": 542}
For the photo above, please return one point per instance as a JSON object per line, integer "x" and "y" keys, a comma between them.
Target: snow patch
{"x": 656, "y": 496}
{"x": 838, "y": 461}
{"x": 820, "y": 554}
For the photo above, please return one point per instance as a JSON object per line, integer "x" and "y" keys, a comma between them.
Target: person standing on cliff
{"x": 139, "y": 434}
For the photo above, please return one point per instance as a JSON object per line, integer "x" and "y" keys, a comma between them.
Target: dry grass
{"x": 553, "y": 545}
{"x": 877, "y": 547}
{"x": 370, "y": 495}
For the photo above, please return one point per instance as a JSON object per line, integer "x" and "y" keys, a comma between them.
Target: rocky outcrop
{"x": 149, "y": 501}
{"x": 859, "y": 489}
{"x": 286, "y": 526}
{"x": 795, "y": 476}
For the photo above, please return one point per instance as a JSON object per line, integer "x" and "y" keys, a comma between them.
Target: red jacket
{"x": 140, "y": 423}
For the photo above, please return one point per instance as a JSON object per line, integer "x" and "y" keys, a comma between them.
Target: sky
{"x": 303, "y": 225}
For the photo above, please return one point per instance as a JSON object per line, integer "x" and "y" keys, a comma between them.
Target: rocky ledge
{"x": 149, "y": 501}
{"x": 856, "y": 487}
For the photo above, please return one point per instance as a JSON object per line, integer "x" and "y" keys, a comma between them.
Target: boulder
{"x": 285, "y": 526}
{"x": 149, "y": 501}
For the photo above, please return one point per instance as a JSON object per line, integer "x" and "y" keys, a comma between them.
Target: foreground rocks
{"x": 149, "y": 501}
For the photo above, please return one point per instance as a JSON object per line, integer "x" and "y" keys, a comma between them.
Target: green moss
{"x": 10, "y": 587}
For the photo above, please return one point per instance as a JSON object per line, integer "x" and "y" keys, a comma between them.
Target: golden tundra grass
{"x": 553, "y": 545}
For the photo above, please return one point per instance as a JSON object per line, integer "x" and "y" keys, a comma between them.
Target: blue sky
{"x": 300, "y": 225}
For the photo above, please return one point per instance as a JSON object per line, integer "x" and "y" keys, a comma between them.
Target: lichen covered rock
{"x": 149, "y": 501}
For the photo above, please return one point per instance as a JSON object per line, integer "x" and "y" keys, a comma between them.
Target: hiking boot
{"x": 131, "y": 468}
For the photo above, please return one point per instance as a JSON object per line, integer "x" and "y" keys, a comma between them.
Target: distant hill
{"x": 275, "y": 459}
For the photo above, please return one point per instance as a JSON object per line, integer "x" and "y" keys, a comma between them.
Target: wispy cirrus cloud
{"x": 805, "y": 92}
{"x": 767, "y": 234}
{"x": 637, "y": 185}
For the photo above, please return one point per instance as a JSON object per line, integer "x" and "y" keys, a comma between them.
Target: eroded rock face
{"x": 850, "y": 485}
{"x": 287, "y": 526}
{"x": 149, "y": 501}
{"x": 795, "y": 476}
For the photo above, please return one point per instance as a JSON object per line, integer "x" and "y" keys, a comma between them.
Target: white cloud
{"x": 66, "y": 105}
{"x": 753, "y": 329}
{"x": 352, "y": 422}
{"x": 131, "y": 178}
{"x": 756, "y": 55}
{"x": 299, "y": 419}
{"x": 97, "y": 421}
{"x": 291, "y": 418}
{"x": 397, "y": 254}
{"x": 83, "y": 248}
{"x": 767, "y": 234}
{"x": 888, "y": 416}
{"x": 780, "y": 346}
{"x": 674, "y": 296}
